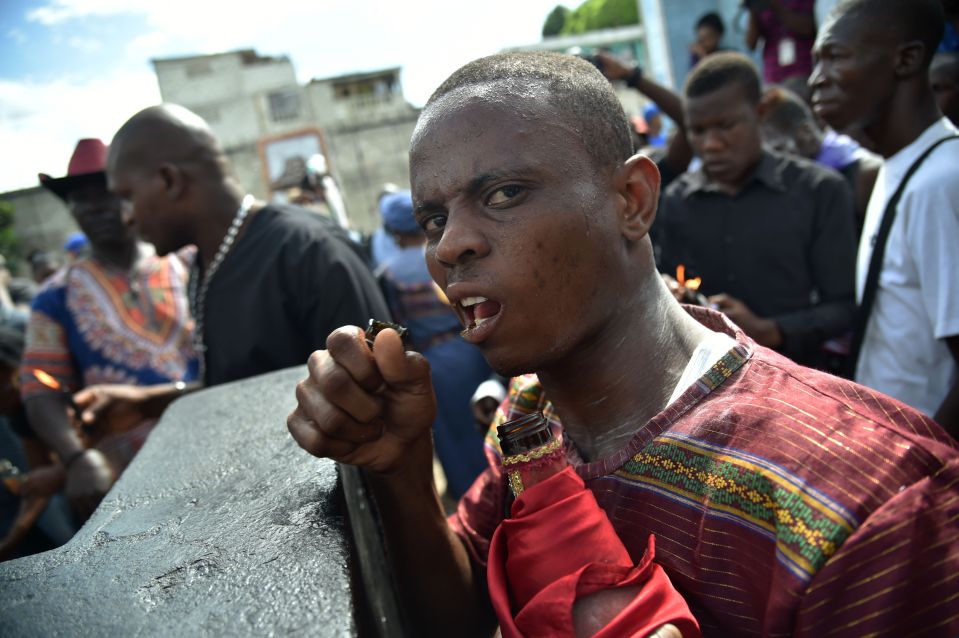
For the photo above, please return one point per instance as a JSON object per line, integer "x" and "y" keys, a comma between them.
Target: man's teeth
{"x": 472, "y": 301}
{"x": 479, "y": 321}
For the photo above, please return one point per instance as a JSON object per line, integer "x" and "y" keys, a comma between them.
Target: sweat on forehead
{"x": 573, "y": 87}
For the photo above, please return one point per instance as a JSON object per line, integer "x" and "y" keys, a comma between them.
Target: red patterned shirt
{"x": 785, "y": 502}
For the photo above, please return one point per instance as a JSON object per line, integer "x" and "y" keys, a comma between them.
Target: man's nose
{"x": 817, "y": 77}
{"x": 462, "y": 238}
{"x": 713, "y": 141}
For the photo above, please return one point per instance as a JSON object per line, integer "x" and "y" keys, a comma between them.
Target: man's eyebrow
{"x": 475, "y": 186}
{"x": 424, "y": 207}
{"x": 479, "y": 182}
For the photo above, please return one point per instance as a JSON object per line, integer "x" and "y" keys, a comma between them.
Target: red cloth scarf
{"x": 559, "y": 546}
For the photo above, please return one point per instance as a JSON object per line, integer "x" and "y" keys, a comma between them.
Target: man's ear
{"x": 909, "y": 58}
{"x": 638, "y": 183}
{"x": 762, "y": 110}
{"x": 174, "y": 181}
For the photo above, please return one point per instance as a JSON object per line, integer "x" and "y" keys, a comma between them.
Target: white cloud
{"x": 17, "y": 35}
{"x": 427, "y": 38}
{"x": 40, "y": 123}
{"x": 85, "y": 44}
{"x": 57, "y": 11}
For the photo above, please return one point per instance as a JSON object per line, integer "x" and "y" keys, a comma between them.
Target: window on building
{"x": 284, "y": 105}
{"x": 366, "y": 92}
{"x": 198, "y": 68}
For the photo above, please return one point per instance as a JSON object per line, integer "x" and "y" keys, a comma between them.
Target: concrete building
{"x": 40, "y": 222}
{"x": 361, "y": 122}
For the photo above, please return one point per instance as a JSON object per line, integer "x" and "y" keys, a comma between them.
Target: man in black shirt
{"x": 269, "y": 283}
{"x": 771, "y": 237}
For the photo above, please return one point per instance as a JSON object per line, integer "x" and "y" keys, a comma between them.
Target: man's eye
{"x": 433, "y": 223}
{"x": 504, "y": 194}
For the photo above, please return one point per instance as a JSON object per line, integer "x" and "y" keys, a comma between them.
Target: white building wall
{"x": 367, "y": 136}
{"x": 41, "y": 220}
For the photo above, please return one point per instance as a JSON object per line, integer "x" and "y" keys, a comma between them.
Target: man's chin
{"x": 162, "y": 249}
{"x": 506, "y": 368}
{"x": 833, "y": 114}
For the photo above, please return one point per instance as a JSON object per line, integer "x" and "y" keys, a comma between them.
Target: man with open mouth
{"x": 776, "y": 494}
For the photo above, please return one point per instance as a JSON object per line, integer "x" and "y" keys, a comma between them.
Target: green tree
{"x": 601, "y": 14}
{"x": 555, "y": 21}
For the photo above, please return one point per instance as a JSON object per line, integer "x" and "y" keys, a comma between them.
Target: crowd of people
{"x": 741, "y": 345}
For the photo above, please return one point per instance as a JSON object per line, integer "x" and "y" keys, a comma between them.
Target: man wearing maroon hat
{"x": 118, "y": 316}
{"x": 269, "y": 282}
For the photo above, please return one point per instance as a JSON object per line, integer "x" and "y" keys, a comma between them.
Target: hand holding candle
{"x": 50, "y": 381}
{"x": 370, "y": 407}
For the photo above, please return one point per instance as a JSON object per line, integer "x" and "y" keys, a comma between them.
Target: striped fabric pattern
{"x": 785, "y": 502}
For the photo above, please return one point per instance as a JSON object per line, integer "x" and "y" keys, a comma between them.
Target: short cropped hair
{"x": 785, "y": 110}
{"x": 722, "y": 69}
{"x": 922, "y": 20}
{"x": 575, "y": 88}
{"x": 713, "y": 21}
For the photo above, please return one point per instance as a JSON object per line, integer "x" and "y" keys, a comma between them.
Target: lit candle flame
{"x": 692, "y": 284}
{"x": 46, "y": 379}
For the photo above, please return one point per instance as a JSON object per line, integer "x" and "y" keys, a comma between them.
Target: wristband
{"x": 635, "y": 77}
{"x": 531, "y": 452}
{"x": 526, "y": 470}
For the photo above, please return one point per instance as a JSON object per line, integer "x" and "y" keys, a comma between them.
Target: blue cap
{"x": 650, "y": 111}
{"x": 76, "y": 242}
{"x": 397, "y": 211}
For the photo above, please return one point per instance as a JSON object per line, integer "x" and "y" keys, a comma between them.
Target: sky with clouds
{"x": 80, "y": 68}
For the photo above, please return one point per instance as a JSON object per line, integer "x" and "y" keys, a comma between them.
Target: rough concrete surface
{"x": 221, "y": 526}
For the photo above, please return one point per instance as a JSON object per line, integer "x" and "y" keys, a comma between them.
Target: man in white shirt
{"x": 872, "y": 75}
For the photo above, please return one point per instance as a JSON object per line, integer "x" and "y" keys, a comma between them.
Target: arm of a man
{"x": 800, "y": 21}
{"x": 374, "y": 409}
{"x": 832, "y": 262}
{"x": 450, "y": 594}
{"x": 930, "y": 219}
{"x": 753, "y": 31}
{"x": 897, "y": 574}
{"x": 89, "y": 475}
{"x": 665, "y": 98}
{"x": 678, "y": 152}
{"x": 119, "y": 407}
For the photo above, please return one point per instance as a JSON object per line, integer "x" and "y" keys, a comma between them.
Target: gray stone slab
{"x": 221, "y": 526}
